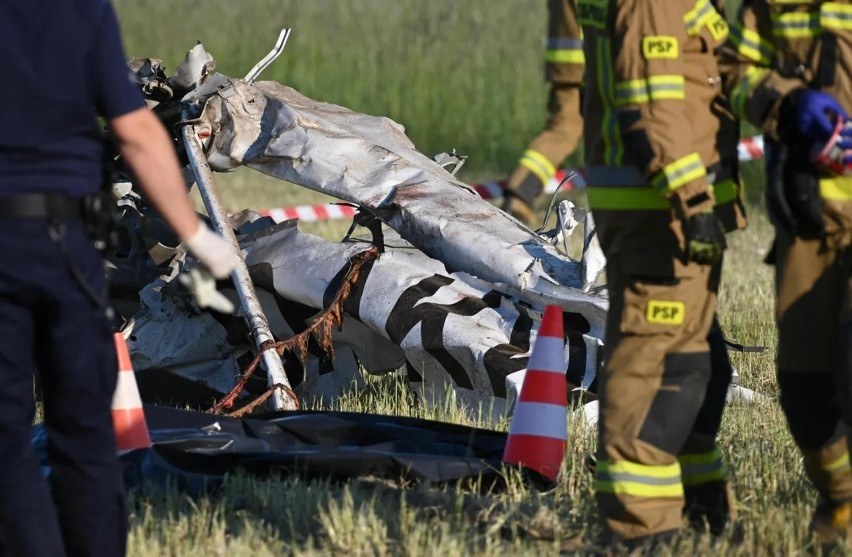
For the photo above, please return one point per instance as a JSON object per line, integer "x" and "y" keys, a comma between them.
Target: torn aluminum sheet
{"x": 369, "y": 161}
{"x": 450, "y": 330}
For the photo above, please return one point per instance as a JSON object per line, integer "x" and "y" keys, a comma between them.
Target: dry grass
{"x": 286, "y": 515}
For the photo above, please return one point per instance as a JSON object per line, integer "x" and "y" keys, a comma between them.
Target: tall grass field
{"x": 464, "y": 75}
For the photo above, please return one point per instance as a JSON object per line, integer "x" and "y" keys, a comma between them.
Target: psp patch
{"x": 659, "y": 46}
{"x": 718, "y": 28}
{"x": 665, "y": 313}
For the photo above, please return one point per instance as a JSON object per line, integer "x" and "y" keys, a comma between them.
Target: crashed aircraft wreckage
{"x": 453, "y": 290}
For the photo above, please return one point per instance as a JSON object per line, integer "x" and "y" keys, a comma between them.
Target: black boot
{"x": 710, "y": 507}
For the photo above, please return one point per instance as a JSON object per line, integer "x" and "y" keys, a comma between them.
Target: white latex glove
{"x": 202, "y": 285}
{"x": 213, "y": 251}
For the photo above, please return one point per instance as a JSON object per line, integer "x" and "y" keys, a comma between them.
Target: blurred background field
{"x": 464, "y": 75}
{"x": 457, "y": 75}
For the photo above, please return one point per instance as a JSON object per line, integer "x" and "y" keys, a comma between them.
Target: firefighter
{"x": 792, "y": 76}
{"x": 564, "y": 63}
{"x": 64, "y": 66}
{"x": 660, "y": 148}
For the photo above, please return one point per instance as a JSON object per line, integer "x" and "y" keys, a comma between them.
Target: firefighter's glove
{"x": 217, "y": 259}
{"x": 792, "y": 189}
{"x": 816, "y": 113}
{"x": 705, "y": 238}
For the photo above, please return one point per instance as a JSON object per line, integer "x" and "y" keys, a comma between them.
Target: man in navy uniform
{"x": 63, "y": 65}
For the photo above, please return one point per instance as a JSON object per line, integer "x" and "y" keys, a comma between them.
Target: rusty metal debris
{"x": 321, "y": 329}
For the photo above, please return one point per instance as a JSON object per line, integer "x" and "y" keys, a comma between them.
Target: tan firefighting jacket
{"x": 777, "y": 46}
{"x": 564, "y": 58}
{"x": 656, "y": 123}
{"x": 564, "y": 65}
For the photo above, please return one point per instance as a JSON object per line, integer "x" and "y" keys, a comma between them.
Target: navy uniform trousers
{"x": 48, "y": 322}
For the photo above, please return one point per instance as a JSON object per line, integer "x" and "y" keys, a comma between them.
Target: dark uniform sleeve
{"x": 115, "y": 92}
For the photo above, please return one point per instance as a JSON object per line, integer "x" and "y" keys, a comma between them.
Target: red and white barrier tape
{"x": 749, "y": 148}
{"x": 311, "y": 213}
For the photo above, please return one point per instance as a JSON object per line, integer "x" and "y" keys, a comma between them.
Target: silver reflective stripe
{"x": 564, "y": 43}
{"x": 607, "y": 476}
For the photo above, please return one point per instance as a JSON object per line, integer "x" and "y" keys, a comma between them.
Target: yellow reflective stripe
{"x": 656, "y": 87}
{"x": 638, "y": 489}
{"x": 610, "y": 131}
{"x": 725, "y": 191}
{"x": 679, "y": 173}
{"x": 538, "y": 165}
{"x": 666, "y": 87}
{"x": 718, "y": 28}
{"x": 628, "y": 478}
{"x": 836, "y": 16}
{"x": 750, "y": 44}
{"x": 666, "y": 472}
{"x": 841, "y": 464}
{"x": 743, "y": 88}
{"x": 625, "y": 199}
{"x": 796, "y": 25}
{"x": 699, "y": 16}
{"x": 836, "y": 189}
{"x": 645, "y": 198}
{"x": 699, "y": 468}
{"x": 565, "y": 56}
{"x": 631, "y": 92}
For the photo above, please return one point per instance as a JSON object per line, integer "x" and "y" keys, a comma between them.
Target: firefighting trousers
{"x": 541, "y": 160}
{"x": 662, "y": 392}
{"x": 47, "y": 322}
{"x": 814, "y": 315}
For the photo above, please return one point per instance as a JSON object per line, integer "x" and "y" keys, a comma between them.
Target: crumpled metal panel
{"x": 455, "y": 331}
{"x": 370, "y": 161}
{"x": 451, "y": 330}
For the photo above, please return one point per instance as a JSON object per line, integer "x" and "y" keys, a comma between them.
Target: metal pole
{"x": 270, "y": 57}
{"x": 242, "y": 281}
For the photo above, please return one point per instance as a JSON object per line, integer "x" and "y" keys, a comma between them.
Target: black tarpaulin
{"x": 191, "y": 447}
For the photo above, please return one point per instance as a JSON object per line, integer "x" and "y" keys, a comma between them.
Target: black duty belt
{"x": 41, "y": 206}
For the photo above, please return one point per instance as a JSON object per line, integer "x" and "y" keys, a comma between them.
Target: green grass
{"x": 464, "y": 75}
{"x": 457, "y": 74}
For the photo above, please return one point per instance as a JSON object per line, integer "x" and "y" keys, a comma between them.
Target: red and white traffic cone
{"x": 538, "y": 432}
{"x": 128, "y": 417}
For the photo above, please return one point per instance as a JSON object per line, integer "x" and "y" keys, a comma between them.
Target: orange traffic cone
{"x": 128, "y": 418}
{"x": 538, "y": 432}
